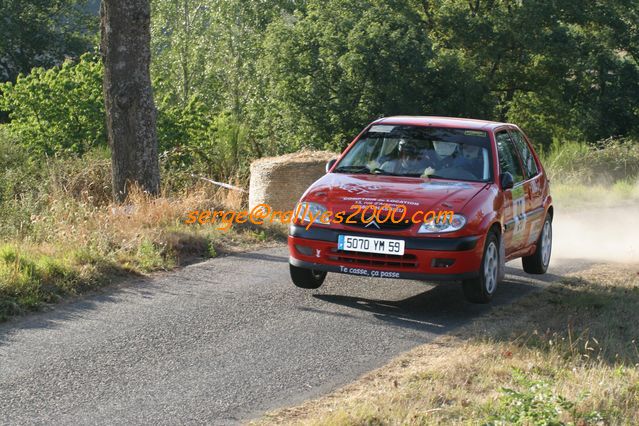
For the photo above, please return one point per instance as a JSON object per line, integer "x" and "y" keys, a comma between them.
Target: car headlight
{"x": 446, "y": 224}
{"x": 307, "y": 212}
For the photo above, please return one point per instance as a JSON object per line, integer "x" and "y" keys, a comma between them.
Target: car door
{"x": 514, "y": 198}
{"x": 534, "y": 209}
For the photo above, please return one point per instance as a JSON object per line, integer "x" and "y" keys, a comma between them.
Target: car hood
{"x": 339, "y": 191}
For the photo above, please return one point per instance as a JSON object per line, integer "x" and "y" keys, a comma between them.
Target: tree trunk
{"x": 128, "y": 96}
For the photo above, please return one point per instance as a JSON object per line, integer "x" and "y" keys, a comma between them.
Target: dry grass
{"x": 605, "y": 163}
{"x": 565, "y": 355}
{"x": 76, "y": 242}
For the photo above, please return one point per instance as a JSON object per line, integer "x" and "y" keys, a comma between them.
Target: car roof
{"x": 460, "y": 123}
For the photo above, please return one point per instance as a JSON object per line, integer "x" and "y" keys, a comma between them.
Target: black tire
{"x": 307, "y": 278}
{"x": 482, "y": 288}
{"x": 537, "y": 263}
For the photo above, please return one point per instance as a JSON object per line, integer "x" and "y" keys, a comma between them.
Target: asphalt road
{"x": 219, "y": 342}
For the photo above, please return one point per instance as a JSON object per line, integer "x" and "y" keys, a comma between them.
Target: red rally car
{"x": 487, "y": 173}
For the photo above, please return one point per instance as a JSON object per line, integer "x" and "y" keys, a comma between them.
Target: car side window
{"x": 524, "y": 153}
{"x": 508, "y": 161}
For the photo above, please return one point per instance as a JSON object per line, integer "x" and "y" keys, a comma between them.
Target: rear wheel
{"x": 537, "y": 263}
{"x": 306, "y": 278}
{"x": 482, "y": 288}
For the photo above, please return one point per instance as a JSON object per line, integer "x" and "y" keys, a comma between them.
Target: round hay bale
{"x": 281, "y": 181}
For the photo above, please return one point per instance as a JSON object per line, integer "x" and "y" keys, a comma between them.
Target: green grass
{"x": 27, "y": 280}
{"x": 535, "y": 402}
{"x": 36, "y": 275}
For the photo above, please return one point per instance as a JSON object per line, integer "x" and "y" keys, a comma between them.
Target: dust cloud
{"x": 600, "y": 234}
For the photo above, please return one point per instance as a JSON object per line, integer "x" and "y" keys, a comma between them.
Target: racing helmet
{"x": 408, "y": 148}
{"x": 470, "y": 152}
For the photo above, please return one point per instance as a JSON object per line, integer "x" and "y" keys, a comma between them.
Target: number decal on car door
{"x": 519, "y": 212}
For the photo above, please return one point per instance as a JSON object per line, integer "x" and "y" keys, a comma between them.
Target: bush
{"x": 86, "y": 179}
{"x": 534, "y": 402}
{"x": 194, "y": 140}
{"x": 57, "y": 111}
{"x": 28, "y": 183}
{"x": 60, "y": 112}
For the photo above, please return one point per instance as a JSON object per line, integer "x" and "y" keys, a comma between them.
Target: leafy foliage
{"x": 342, "y": 64}
{"x": 534, "y": 402}
{"x": 57, "y": 111}
{"x": 60, "y": 112}
{"x": 239, "y": 80}
{"x": 192, "y": 139}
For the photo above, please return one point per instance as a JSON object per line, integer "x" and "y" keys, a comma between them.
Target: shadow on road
{"x": 442, "y": 307}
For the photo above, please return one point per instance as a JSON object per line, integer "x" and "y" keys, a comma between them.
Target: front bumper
{"x": 425, "y": 258}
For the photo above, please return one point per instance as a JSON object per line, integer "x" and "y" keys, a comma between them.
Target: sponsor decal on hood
{"x": 379, "y": 201}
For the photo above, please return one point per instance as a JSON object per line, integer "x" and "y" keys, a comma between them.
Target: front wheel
{"x": 482, "y": 288}
{"x": 306, "y": 278}
{"x": 537, "y": 263}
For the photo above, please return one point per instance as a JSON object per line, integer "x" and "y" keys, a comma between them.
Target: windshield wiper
{"x": 352, "y": 169}
{"x": 379, "y": 171}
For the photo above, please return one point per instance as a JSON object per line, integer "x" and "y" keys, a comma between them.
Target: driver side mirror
{"x": 330, "y": 164}
{"x": 507, "y": 181}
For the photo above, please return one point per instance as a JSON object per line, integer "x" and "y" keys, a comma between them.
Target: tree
{"x": 208, "y": 51}
{"x": 341, "y": 64}
{"x": 561, "y": 69}
{"x": 181, "y": 49}
{"x": 128, "y": 96}
{"x": 42, "y": 33}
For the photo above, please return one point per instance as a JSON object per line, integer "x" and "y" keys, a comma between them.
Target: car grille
{"x": 406, "y": 261}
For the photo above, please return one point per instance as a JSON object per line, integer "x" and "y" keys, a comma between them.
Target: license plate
{"x": 370, "y": 245}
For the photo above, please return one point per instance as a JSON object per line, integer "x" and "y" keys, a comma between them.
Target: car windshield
{"x": 416, "y": 151}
